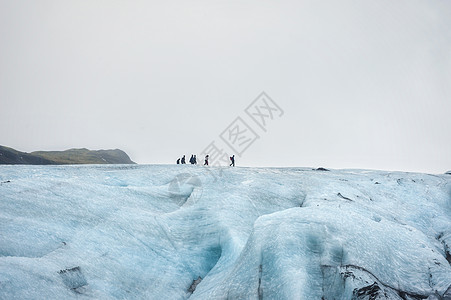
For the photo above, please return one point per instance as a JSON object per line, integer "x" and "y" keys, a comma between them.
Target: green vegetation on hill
{"x": 72, "y": 156}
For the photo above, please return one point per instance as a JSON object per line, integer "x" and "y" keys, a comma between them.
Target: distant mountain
{"x": 9, "y": 156}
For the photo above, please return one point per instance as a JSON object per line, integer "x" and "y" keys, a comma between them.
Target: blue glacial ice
{"x": 179, "y": 232}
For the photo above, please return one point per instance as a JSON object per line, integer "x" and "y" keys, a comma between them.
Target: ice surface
{"x": 179, "y": 232}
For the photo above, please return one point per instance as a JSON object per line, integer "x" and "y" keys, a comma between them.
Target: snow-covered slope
{"x": 178, "y": 232}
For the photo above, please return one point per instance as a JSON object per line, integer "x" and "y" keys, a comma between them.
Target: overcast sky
{"x": 362, "y": 84}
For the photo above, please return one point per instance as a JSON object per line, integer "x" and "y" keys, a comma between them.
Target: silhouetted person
{"x": 183, "y": 160}
{"x": 206, "y": 160}
{"x": 178, "y": 161}
{"x": 191, "y": 160}
{"x": 232, "y": 158}
{"x": 195, "y": 159}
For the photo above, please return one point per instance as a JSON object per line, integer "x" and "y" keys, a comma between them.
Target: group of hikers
{"x": 193, "y": 160}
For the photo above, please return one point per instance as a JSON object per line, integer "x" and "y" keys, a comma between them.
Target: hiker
{"x": 194, "y": 159}
{"x": 191, "y": 160}
{"x": 183, "y": 160}
{"x": 232, "y": 158}
{"x": 206, "y": 160}
{"x": 178, "y": 161}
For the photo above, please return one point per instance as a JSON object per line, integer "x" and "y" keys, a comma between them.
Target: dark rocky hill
{"x": 9, "y": 156}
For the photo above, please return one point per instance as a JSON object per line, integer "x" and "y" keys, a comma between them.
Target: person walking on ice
{"x": 206, "y": 160}
{"x": 232, "y": 158}
{"x": 183, "y": 160}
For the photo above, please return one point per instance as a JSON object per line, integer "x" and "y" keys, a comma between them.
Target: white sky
{"x": 363, "y": 84}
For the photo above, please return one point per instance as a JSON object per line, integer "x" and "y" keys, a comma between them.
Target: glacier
{"x": 184, "y": 231}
